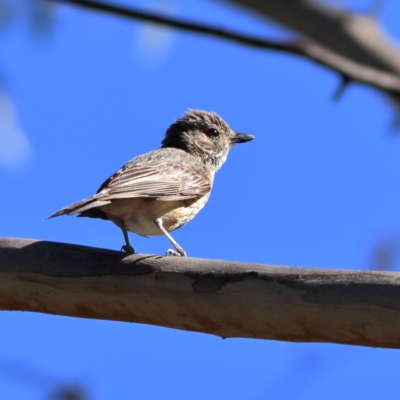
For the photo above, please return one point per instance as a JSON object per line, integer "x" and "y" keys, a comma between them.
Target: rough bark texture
{"x": 228, "y": 299}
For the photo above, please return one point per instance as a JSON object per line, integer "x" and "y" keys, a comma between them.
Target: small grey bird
{"x": 160, "y": 191}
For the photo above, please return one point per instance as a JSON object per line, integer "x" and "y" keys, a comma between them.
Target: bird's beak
{"x": 240, "y": 137}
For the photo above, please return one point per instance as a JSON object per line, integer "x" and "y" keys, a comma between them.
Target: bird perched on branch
{"x": 160, "y": 191}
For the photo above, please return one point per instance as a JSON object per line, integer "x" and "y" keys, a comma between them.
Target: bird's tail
{"x": 85, "y": 208}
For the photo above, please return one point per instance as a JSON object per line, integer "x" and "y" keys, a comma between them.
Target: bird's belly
{"x": 139, "y": 214}
{"x": 141, "y": 225}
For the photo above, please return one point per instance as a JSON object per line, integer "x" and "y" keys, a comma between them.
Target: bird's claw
{"x": 174, "y": 253}
{"x": 128, "y": 249}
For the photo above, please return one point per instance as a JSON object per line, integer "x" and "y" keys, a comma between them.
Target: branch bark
{"x": 350, "y": 70}
{"x": 357, "y": 37}
{"x": 227, "y": 299}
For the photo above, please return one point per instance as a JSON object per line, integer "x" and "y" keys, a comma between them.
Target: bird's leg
{"x": 127, "y": 247}
{"x": 180, "y": 252}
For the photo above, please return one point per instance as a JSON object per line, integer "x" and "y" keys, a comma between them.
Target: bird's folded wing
{"x": 164, "y": 181}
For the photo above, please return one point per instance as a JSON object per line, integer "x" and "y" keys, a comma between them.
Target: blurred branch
{"x": 27, "y": 375}
{"x": 357, "y": 37}
{"x": 385, "y": 254}
{"x": 227, "y": 299}
{"x": 348, "y": 70}
{"x": 376, "y": 8}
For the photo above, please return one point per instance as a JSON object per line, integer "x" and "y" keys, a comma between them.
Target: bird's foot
{"x": 175, "y": 253}
{"x": 128, "y": 249}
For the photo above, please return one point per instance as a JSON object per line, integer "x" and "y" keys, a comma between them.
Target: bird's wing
{"x": 165, "y": 181}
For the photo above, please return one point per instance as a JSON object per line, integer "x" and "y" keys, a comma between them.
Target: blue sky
{"x": 319, "y": 187}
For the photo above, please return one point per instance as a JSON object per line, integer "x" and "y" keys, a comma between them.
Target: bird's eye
{"x": 213, "y": 132}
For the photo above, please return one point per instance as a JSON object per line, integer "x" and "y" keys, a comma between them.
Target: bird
{"x": 160, "y": 191}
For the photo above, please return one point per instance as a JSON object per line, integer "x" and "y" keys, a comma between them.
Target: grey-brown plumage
{"x": 160, "y": 191}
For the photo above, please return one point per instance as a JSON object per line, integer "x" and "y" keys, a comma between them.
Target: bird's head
{"x": 205, "y": 135}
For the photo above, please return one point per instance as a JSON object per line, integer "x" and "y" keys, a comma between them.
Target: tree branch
{"x": 227, "y": 299}
{"x": 357, "y": 37}
{"x": 349, "y": 70}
